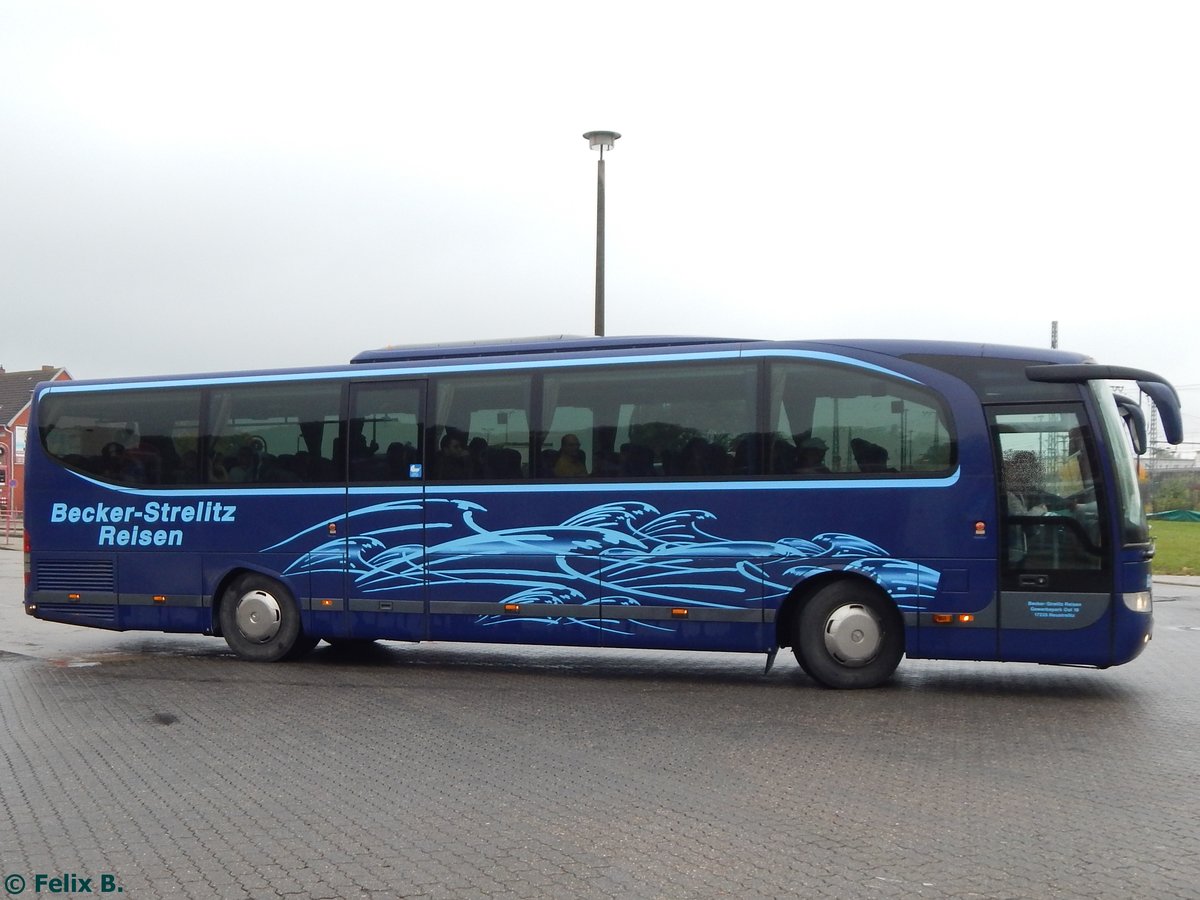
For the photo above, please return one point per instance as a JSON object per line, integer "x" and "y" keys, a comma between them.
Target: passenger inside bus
{"x": 698, "y": 457}
{"x": 570, "y": 462}
{"x": 453, "y": 462}
{"x": 869, "y": 457}
{"x": 810, "y": 455}
{"x": 399, "y": 457}
{"x": 245, "y": 467}
{"x": 116, "y": 463}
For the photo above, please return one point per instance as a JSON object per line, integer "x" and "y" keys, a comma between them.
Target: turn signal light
{"x": 512, "y": 607}
{"x": 160, "y": 598}
{"x": 679, "y": 613}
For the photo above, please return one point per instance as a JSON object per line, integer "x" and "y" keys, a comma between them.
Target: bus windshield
{"x": 1131, "y": 514}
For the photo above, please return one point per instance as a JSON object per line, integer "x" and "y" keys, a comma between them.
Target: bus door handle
{"x": 1034, "y": 581}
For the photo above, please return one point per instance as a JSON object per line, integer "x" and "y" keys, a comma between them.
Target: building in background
{"x": 16, "y": 392}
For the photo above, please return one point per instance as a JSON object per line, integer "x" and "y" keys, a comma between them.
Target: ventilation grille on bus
{"x": 76, "y": 575}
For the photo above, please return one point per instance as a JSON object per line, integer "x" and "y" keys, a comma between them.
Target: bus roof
{"x": 568, "y": 343}
{"x": 427, "y": 356}
{"x": 529, "y": 345}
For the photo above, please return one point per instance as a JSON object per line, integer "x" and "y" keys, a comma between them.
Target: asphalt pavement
{"x": 155, "y": 765}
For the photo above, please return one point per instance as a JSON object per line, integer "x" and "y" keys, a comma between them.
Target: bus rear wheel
{"x": 849, "y": 636}
{"x": 260, "y": 620}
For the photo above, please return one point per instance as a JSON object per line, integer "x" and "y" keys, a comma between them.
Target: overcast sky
{"x": 189, "y": 187}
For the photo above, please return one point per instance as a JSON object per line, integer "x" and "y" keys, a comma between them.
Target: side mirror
{"x": 1135, "y": 421}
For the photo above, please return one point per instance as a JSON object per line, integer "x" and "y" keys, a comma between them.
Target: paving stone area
{"x": 175, "y": 770}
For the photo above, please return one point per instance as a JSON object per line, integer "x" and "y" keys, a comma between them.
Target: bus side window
{"x": 274, "y": 434}
{"x": 481, "y": 428}
{"x": 671, "y": 421}
{"x": 829, "y": 421}
{"x": 145, "y": 437}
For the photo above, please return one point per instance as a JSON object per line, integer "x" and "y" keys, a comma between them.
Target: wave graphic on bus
{"x": 625, "y": 554}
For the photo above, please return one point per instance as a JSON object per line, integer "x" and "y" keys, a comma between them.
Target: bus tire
{"x": 849, "y": 636}
{"x": 260, "y": 621}
{"x": 303, "y": 646}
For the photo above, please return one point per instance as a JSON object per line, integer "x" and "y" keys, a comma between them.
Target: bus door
{"x": 1056, "y": 581}
{"x": 380, "y": 445}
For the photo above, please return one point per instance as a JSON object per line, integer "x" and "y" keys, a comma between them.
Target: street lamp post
{"x": 600, "y": 140}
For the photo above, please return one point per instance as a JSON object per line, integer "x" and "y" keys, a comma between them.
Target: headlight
{"x": 1138, "y": 602}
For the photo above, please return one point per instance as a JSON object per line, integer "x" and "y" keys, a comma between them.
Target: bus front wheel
{"x": 849, "y": 636}
{"x": 260, "y": 620}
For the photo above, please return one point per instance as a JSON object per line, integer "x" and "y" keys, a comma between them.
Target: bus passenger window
{"x": 274, "y": 434}
{"x": 481, "y": 428}
{"x": 143, "y": 437}
{"x": 866, "y": 423}
{"x": 670, "y": 421}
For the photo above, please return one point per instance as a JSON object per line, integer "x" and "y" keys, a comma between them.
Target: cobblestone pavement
{"x": 163, "y": 766}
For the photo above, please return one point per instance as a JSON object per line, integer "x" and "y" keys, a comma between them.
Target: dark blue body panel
{"x": 616, "y": 559}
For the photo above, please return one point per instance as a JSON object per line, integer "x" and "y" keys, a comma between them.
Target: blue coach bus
{"x": 855, "y": 501}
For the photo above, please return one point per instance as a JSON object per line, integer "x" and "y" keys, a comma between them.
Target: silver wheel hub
{"x": 853, "y": 635}
{"x": 258, "y": 616}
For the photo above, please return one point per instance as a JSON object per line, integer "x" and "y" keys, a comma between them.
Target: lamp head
{"x": 601, "y": 140}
